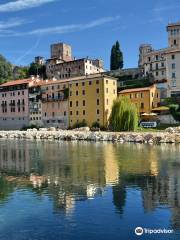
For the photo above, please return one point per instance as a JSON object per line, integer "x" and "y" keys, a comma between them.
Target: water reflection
{"x": 71, "y": 172}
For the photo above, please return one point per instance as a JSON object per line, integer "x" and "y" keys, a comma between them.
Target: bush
{"x": 95, "y": 125}
{"x": 124, "y": 115}
{"x": 175, "y": 111}
{"x": 80, "y": 124}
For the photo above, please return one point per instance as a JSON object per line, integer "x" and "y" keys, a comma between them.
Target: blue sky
{"x": 28, "y": 27}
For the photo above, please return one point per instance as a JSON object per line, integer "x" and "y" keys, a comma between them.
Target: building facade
{"x": 68, "y": 102}
{"x": 164, "y": 64}
{"x": 35, "y": 103}
{"x": 91, "y": 99}
{"x": 144, "y": 98}
{"x": 14, "y": 110}
{"x": 55, "y": 104}
{"x": 62, "y": 65}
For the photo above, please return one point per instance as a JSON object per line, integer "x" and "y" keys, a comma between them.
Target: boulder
{"x": 82, "y": 129}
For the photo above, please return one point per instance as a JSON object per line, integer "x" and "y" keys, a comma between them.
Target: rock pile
{"x": 170, "y": 135}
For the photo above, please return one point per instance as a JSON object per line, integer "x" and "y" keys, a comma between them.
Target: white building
{"x": 164, "y": 64}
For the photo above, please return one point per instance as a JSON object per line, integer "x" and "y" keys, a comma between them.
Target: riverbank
{"x": 170, "y": 135}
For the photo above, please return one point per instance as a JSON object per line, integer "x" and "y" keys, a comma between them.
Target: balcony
{"x": 55, "y": 99}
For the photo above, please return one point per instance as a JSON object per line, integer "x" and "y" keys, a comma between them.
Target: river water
{"x": 74, "y": 191}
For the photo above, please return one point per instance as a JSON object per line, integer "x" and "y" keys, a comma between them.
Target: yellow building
{"x": 91, "y": 99}
{"x": 144, "y": 98}
{"x": 87, "y": 98}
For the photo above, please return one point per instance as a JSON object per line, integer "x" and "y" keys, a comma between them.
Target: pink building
{"x": 14, "y": 104}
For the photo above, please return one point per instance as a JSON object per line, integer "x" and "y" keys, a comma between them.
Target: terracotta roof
{"x": 89, "y": 77}
{"x": 136, "y": 89}
{"x": 30, "y": 81}
{"x": 16, "y": 82}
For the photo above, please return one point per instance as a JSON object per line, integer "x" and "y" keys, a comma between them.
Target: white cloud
{"x": 19, "y": 5}
{"x": 73, "y": 27}
{"x": 56, "y": 30}
{"x": 14, "y": 22}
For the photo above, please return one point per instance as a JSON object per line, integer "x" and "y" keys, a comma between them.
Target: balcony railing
{"x": 50, "y": 99}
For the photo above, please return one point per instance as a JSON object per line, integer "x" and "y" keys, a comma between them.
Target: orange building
{"x": 145, "y": 98}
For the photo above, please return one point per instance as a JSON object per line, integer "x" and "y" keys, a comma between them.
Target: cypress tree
{"x": 113, "y": 58}
{"x": 116, "y": 57}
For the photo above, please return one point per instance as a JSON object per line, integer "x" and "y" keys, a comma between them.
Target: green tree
{"x": 21, "y": 72}
{"x": 37, "y": 69}
{"x": 5, "y": 70}
{"x": 124, "y": 115}
{"x": 116, "y": 57}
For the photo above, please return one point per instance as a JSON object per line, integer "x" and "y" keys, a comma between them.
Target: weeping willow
{"x": 124, "y": 115}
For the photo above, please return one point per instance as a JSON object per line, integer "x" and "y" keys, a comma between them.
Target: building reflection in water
{"x": 70, "y": 172}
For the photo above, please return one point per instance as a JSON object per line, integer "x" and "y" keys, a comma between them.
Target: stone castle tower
{"x": 61, "y": 51}
{"x": 174, "y": 34}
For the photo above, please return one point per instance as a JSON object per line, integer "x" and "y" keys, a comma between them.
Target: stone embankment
{"x": 170, "y": 135}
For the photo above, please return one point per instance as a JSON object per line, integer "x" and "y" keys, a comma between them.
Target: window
{"x": 157, "y": 57}
{"x": 90, "y": 83}
{"x": 142, "y": 105}
{"x": 52, "y": 87}
{"x": 114, "y": 91}
{"x": 84, "y": 102}
{"x": 77, "y": 113}
{"x": 70, "y": 103}
{"x": 97, "y": 111}
{"x": 173, "y": 83}
{"x": 97, "y": 81}
{"x": 83, "y": 84}
{"x": 106, "y": 90}
{"x": 53, "y": 114}
{"x": 162, "y": 64}
{"x": 156, "y": 66}
{"x": 70, "y": 93}
{"x": 173, "y": 57}
{"x": 97, "y": 101}
{"x": 107, "y": 101}
{"x": 71, "y": 113}
{"x": 106, "y": 81}
{"x": 65, "y": 113}
{"x": 76, "y": 84}
{"x": 84, "y": 112}
{"x": 141, "y": 95}
{"x": 173, "y": 65}
{"x": 173, "y": 75}
{"x": 77, "y": 103}
{"x": 18, "y": 93}
{"x": 45, "y": 114}
{"x": 97, "y": 90}
{"x": 157, "y": 73}
{"x": 162, "y": 72}
{"x": 175, "y": 42}
{"x": 83, "y": 92}
{"x": 76, "y": 93}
